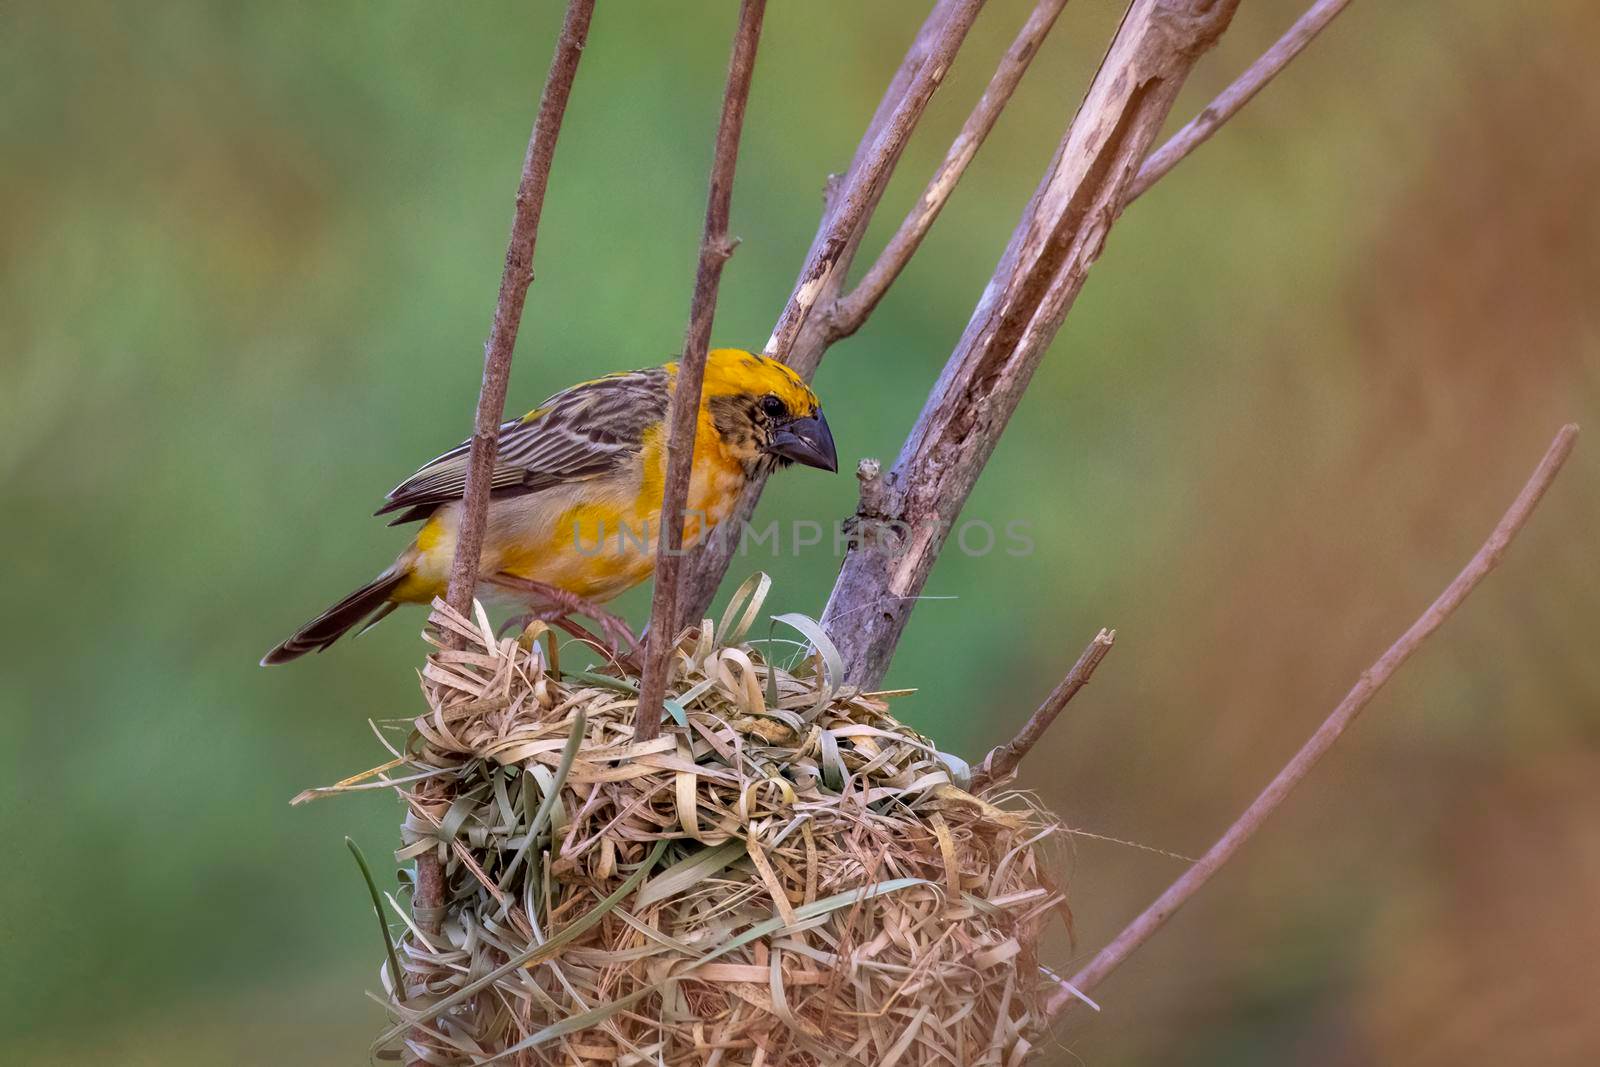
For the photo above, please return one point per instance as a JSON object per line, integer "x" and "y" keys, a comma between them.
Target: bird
{"x": 575, "y": 497}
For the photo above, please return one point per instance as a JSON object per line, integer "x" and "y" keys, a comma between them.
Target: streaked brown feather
{"x": 579, "y": 433}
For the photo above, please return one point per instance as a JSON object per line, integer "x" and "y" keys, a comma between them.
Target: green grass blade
{"x": 960, "y": 770}
{"x": 832, "y": 662}
{"x": 605, "y": 681}
{"x": 772, "y": 674}
{"x": 833, "y": 768}
{"x": 759, "y": 930}
{"x": 689, "y": 870}
{"x": 377, "y": 909}
{"x": 569, "y": 753}
{"x": 531, "y": 953}
{"x": 571, "y": 1024}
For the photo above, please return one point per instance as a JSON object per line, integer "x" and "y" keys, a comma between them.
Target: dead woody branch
{"x": 852, "y": 203}
{"x": 819, "y": 312}
{"x": 1002, "y": 762}
{"x": 851, "y": 310}
{"x": 1242, "y": 90}
{"x": 429, "y": 897}
{"x": 802, "y": 334}
{"x": 514, "y": 282}
{"x": 715, "y": 248}
{"x": 1039, "y": 276}
{"x": 1294, "y": 772}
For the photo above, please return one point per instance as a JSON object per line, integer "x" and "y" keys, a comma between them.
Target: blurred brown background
{"x": 247, "y": 259}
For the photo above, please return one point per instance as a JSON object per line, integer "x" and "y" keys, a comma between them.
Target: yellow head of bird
{"x": 762, "y": 409}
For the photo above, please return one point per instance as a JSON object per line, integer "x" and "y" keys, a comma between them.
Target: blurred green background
{"x": 248, "y": 255}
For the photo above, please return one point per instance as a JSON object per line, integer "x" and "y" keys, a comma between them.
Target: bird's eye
{"x": 773, "y": 406}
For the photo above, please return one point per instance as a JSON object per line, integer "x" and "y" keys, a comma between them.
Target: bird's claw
{"x": 621, "y": 644}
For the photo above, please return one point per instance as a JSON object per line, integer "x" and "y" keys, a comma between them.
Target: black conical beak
{"x": 807, "y": 441}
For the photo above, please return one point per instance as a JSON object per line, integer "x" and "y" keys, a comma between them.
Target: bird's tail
{"x": 371, "y": 599}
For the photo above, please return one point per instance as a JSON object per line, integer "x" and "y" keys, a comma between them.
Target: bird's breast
{"x": 595, "y": 538}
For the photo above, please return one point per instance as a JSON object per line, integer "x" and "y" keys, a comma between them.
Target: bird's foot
{"x": 556, "y": 606}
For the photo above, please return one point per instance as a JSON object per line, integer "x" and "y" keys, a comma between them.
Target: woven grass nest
{"x": 787, "y": 875}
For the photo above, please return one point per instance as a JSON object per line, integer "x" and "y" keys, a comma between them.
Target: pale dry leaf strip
{"x": 710, "y": 888}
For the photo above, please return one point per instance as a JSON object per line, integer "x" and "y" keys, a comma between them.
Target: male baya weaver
{"x": 576, "y": 491}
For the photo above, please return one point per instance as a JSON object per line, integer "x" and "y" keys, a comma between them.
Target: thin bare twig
{"x": 514, "y": 282}
{"x": 1003, "y": 760}
{"x": 851, "y": 310}
{"x": 715, "y": 248}
{"x": 864, "y": 184}
{"x": 428, "y": 900}
{"x": 1236, "y": 95}
{"x": 1371, "y": 680}
{"x": 1056, "y": 242}
{"x": 800, "y": 337}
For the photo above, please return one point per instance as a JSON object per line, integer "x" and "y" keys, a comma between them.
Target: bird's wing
{"x": 579, "y": 433}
